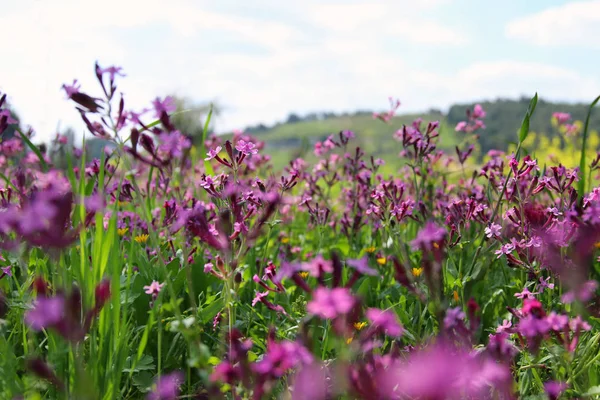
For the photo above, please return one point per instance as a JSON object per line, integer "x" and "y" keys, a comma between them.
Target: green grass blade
{"x": 35, "y": 149}
{"x": 582, "y": 178}
{"x": 207, "y": 167}
{"x": 524, "y": 131}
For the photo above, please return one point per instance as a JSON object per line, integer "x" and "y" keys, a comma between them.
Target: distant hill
{"x": 297, "y": 135}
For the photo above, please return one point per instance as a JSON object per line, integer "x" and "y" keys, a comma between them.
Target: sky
{"x": 261, "y": 60}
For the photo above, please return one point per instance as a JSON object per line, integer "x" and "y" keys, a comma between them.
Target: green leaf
{"x": 35, "y": 149}
{"x": 207, "y": 167}
{"x": 524, "y": 131}
{"x": 582, "y": 162}
{"x": 595, "y": 390}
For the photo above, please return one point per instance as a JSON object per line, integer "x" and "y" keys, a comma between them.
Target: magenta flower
{"x": 246, "y": 148}
{"x": 386, "y": 321}
{"x": 561, "y": 117}
{"x": 429, "y": 235}
{"x": 493, "y": 230}
{"x": 330, "y": 303}
{"x": 167, "y": 387}
{"x": 554, "y": 389}
{"x": 46, "y": 312}
{"x": 532, "y": 327}
{"x": 167, "y": 105}
{"x": 362, "y": 265}
{"x": 582, "y": 293}
{"x": 212, "y": 153}
{"x": 454, "y": 317}
{"x": 112, "y": 71}
{"x": 72, "y": 89}
{"x": 154, "y": 288}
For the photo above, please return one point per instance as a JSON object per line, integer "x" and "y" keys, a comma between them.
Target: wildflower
{"x": 154, "y": 288}
{"x": 122, "y": 231}
{"x": 371, "y": 249}
{"x": 359, "y": 325}
{"x": 362, "y": 266}
{"x": 557, "y": 321}
{"x": 440, "y": 372}
{"x": 381, "y": 260}
{"x": 454, "y": 317}
{"x": 583, "y": 292}
{"x": 417, "y": 272}
{"x": 167, "y": 387}
{"x": 212, "y": 153}
{"x": 429, "y": 235}
{"x": 141, "y": 239}
{"x": 493, "y": 230}
{"x": 303, "y": 274}
{"x": 455, "y": 296}
{"x": 554, "y": 389}
{"x": 506, "y": 324}
{"x": 208, "y": 268}
{"x": 167, "y": 105}
{"x": 330, "y": 303}
{"x": 525, "y": 294}
{"x": 6, "y": 271}
{"x": 46, "y": 312}
{"x": 246, "y": 148}
{"x": 385, "y": 321}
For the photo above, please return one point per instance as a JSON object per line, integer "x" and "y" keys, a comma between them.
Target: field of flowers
{"x": 166, "y": 270}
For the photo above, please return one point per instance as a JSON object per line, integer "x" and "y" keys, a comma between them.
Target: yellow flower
{"x": 417, "y": 272}
{"x": 122, "y": 203}
{"x": 359, "y": 325}
{"x": 437, "y": 246}
{"x": 143, "y": 238}
{"x": 381, "y": 260}
{"x": 122, "y": 231}
{"x": 370, "y": 249}
{"x": 455, "y": 294}
{"x": 285, "y": 240}
{"x": 349, "y": 340}
{"x": 303, "y": 274}
{"x": 597, "y": 245}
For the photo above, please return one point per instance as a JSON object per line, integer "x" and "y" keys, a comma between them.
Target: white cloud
{"x": 507, "y": 78}
{"x": 573, "y": 24}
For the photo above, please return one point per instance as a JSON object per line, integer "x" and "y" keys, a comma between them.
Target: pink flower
{"x": 212, "y": 153}
{"x": 154, "y": 288}
{"x": 166, "y": 105}
{"x": 329, "y": 303}
{"x": 386, "y": 321}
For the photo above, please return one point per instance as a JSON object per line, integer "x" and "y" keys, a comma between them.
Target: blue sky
{"x": 261, "y": 60}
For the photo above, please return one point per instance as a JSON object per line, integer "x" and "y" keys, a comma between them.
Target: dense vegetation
{"x": 166, "y": 270}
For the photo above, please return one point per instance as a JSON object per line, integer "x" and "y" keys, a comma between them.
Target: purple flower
{"x": 246, "y": 148}
{"x": 557, "y": 322}
{"x": 7, "y": 270}
{"x": 166, "y": 105}
{"x": 281, "y": 357}
{"x": 525, "y": 294}
{"x": 454, "y": 317}
{"x": 362, "y": 265}
{"x": 174, "y": 143}
{"x": 583, "y": 293}
{"x": 212, "y": 153}
{"x": 46, "y": 312}
{"x": 386, "y": 321}
{"x": 554, "y": 389}
{"x": 493, "y": 230}
{"x": 532, "y": 327}
{"x": 72, "y": 89}
{"x": 329, "y": 303}
{"x": 429, "y": 235}
{"x": 154, "y": 288}
{"x": 441, "y": 372}
{"x": 167, "y": 387}
{"x": 112, "y": 71}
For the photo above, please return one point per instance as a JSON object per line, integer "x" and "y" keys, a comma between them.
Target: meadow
{"x": 167, "y": 270}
